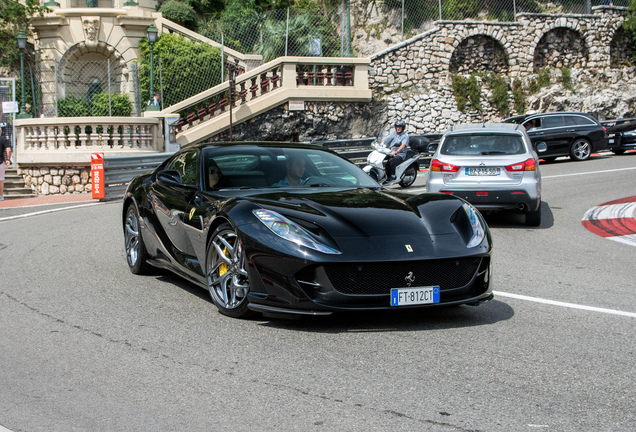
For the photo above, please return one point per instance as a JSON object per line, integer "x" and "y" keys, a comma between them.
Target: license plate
{"x": 482, "y": 171}
{"x": 611, "y": 140}
{"x": 414, "y": 296}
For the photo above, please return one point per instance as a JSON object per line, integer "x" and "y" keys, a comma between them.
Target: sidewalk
{"x": 46, "y": 199}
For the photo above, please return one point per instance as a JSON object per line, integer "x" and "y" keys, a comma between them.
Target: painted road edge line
{"x": 587, "y": 172}
{"x": 564, "y": 304}
{"x": 8, "y": 218}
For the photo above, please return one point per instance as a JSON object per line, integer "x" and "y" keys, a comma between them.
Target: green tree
{"x": 179, "y": 12}
{"x": 15, "y": 16}
{"x": 187, "y": 67}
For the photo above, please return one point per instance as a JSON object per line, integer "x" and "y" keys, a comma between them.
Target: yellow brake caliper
{"x": 223, "y": 267}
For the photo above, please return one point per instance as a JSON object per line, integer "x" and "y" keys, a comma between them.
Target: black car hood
{"x": 366, "y": 224}
{"x": 365, "y": 212}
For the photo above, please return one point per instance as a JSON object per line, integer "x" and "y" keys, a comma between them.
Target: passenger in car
{"x": 216, "y": 179}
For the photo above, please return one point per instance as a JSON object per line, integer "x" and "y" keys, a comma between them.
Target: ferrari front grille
{"x": 379, "y": 278}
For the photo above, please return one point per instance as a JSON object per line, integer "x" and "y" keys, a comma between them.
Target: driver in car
{"x": 399, "y": 141}
{"x": 295, "y": 165}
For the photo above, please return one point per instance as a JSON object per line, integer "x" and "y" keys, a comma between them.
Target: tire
{"x": 533, "y": 218}
{"x": 136, "y": 254}
{"x": 580, "y": 150}
{"x": 226, "y": 273}
{"x": 409, "y": 177}
{"x": 374, "y": 176}
{"x": 618, "y": 151}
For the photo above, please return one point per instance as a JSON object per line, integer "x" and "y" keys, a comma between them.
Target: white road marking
{"x": 588, "y": 172}
{"x": 8, "y": 218}
{"x": 563, "y": 304}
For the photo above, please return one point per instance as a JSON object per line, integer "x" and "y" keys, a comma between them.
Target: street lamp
{"x": 152, "y": 38}
{"x": 22, "y": 45}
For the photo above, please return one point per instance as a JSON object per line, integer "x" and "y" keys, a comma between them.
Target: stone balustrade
{"x": 285, "y": 79}
{"x": 67, "y": 140}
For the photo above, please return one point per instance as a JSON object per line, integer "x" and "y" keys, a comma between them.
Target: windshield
{"x": 482, "y": 144}
{"x": 279, "y": 167}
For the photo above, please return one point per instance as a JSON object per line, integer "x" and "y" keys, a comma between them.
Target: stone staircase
{"x": 14, "y": 185}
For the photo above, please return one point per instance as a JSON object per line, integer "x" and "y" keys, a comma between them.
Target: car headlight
{"x": 284, "y": 228}
{"x": 631, "y": 133}
{"x": 478, "y": 229}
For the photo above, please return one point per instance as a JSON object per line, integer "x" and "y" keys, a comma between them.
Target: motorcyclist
{"x": 398, "y": 140}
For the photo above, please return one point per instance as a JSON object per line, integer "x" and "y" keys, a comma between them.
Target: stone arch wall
{"x": 479, "y": 53}
{"x": 621, "y": 48}
{"x": 83, "y": 65}
{"x": 561, "y": 47}
{"x": 414, "y": 79}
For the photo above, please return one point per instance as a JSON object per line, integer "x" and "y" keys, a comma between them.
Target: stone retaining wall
{"x": 55, "y": 180}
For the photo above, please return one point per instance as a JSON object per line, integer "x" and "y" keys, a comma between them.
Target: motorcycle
{"x": 406, "y": 172}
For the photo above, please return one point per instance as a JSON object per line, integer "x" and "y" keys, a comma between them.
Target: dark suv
{"x": 572, "y": 134}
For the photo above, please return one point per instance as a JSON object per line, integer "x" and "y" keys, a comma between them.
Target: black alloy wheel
{"x": 136, "y": 254}
{"x": 226, "y": 272}
{"x": 581, "y": 149}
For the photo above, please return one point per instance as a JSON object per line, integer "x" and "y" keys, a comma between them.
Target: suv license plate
{"x": 414, "y": 296}
{"x": 482, "y": 171}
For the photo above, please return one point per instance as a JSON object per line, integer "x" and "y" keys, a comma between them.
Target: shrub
{"x": 179, "y": 12}
{"x": 121, "y": 105}
{"x": 533, "y": 86}
{"x": 459, "y": 90}
{"x": 543, "y": 78}
{"x": 72, "y": 106}
{"x": 566, "y": 75}
{"x": 518, "y": 96}
{"x": 499, "y": 93}
{"x": 474, "y": 93}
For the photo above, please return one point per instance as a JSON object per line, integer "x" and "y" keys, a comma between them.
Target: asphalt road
{"x": 87, "y": 346}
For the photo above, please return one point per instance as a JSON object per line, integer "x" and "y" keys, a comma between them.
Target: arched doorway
{"x": 86, "y": 71}
{"x": 560, "y": 47}
{"x": 479, "y": 53}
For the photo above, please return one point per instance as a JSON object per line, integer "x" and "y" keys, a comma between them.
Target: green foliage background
{"x": 181, "y": 60}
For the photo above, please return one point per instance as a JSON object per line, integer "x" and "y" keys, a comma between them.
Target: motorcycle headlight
{"x": 288, "y": 230}
{"x": 478, "y": 229}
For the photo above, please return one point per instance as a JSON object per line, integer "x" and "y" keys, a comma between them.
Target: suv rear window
{"x": 552, "y": 121}
{"x": 575, "y": 120}
{"x": 483, "y": 144}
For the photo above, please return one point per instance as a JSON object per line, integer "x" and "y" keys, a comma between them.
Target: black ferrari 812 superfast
{"x": 297, "y": 229}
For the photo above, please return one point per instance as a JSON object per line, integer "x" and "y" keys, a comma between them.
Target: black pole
{"x": 232, "y": 86}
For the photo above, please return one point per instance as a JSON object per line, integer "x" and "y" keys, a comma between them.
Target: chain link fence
{"x": 411, "y": 17}
{"x": 108, "y": 87}
{"x": 285, "y": 32}
{"x": 78, "y": 88}
{"x": 7, "y": 94}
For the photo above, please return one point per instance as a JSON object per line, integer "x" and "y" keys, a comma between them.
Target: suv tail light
{"x": 436, "y": 165}
{"x": 528, "y": 165}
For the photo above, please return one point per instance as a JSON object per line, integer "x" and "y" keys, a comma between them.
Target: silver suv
{"x": 491, "y": 165}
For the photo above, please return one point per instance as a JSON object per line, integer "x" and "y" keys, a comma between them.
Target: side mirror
{"x": 170, "y": 176}
{"x": 541, "y": 147}
{"x": 432, "y": 148}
